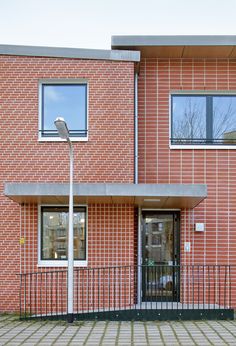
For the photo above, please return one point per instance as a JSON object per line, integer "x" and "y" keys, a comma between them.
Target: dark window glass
{"x": 68, "y": 101}
{"x": 203, "y": 119}
{"x": 54, "y": 233}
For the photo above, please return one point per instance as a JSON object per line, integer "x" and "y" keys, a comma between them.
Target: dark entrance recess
{"x": 160, "y": 255}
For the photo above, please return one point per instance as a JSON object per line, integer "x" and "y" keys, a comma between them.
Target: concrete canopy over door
{"x": 145, "y": 195}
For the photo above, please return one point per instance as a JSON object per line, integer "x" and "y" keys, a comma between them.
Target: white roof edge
{"x": 78, "y": 53}
{"x": 172, "y": 40}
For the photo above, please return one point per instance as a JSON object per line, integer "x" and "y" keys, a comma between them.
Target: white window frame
{"x": 61, "y": 263}
{"x": 59, "y": 82}
{"x": 198, "y": 92}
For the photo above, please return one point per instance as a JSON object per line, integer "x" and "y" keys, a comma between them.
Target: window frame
{"x": 43, "y": 82}
{"x": 202, "y": 93}
{"x": 59, "y": 263}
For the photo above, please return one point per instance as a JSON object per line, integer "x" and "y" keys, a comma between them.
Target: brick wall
{"x": 106, "y": 157}
{"x": 110, "y": 238}
{"x": 216, "y": 168}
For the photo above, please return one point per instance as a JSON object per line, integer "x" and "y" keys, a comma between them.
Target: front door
{"x": 160, "y": 255}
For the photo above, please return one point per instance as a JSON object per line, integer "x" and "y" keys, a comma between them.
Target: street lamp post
{"x": 64, "y": 134}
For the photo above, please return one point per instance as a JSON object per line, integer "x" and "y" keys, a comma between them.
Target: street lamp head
{"x": 62, "y": 128}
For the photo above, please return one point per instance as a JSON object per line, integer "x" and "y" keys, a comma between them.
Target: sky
{"x": 91, "y": 23}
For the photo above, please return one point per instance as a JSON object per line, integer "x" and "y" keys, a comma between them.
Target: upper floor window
{"x": 68, "y": 100}
{"x": 203, "y": 119}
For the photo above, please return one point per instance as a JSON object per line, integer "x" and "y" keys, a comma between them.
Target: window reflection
{"x": 189, "y": 117}
{"x": 55, "y": 223}
{"x": 67, "y": 100}
{"x": 224, "y": 118}
{"x": 203, "y": 119}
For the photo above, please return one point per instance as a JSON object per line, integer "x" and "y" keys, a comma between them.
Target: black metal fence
{"x": 131, "y": 292}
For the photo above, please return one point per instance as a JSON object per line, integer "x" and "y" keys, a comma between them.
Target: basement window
{"x": 203, "y": 119}
{"x": 67, "y": 100}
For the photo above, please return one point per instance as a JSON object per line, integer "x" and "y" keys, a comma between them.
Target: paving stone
{"x": 118, "y": 333}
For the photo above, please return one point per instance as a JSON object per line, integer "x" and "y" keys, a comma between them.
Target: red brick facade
{"x": 107, "y": 156}
{"x": 216, "y": 168}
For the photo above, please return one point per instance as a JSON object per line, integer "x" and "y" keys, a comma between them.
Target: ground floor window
{"x": 54, "y": 233}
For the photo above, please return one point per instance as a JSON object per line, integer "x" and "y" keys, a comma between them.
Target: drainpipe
{"x": 136, "y": 128}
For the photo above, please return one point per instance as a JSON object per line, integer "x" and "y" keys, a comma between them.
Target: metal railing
{"x": 73, "y": 133}
{"x": 203, "y": 141}
{"x": 125, "y": 292}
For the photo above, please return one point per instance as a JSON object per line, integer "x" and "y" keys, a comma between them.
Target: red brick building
{"x": 154, "y": 172}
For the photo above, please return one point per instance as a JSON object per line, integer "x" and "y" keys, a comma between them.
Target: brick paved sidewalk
{"x": 14, "y": 332}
